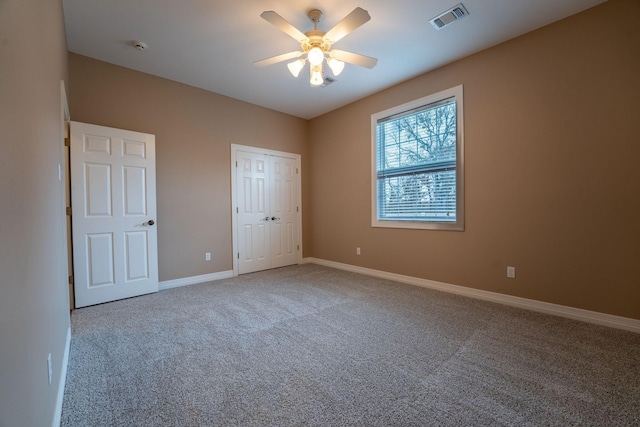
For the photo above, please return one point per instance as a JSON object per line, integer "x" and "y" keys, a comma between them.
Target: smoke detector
{"x": 138, "y": 44}
{"x": 450, "y": 16}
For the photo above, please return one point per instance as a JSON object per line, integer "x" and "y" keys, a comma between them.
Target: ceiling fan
{"x": 316, "y": 45}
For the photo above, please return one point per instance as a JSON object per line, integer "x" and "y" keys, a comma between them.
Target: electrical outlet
{"x": 511, "y": 272}
{"x": 357, "y": 251}
{"x": 207, "y": 256}
{"x": 49, "y": 368}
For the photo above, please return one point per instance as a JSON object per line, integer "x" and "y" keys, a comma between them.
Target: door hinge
{"x": 237, "y": 210}
{"x": 69, "y": 210}
{"x": 296, "y": 170}
{"x": 67, "y": 142}
{"x": 71, "y": 280}
{"x": 238, "y": 255}
{"x": 297, "y": 208}
{"x": 298, "y": 247}
{"x": 236, "y": 163}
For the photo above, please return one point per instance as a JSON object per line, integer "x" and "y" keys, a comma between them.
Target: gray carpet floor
{"x": 313, "y": 346}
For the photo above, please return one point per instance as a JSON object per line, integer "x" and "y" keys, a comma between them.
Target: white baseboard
{"x": 63, "y": 380}
{"x": 595, "y": 317}
{"x": 176, "y": 283}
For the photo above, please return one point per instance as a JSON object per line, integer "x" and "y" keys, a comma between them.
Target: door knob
{"x": 150, "y": 222}
{"x": 273, "y": 218}
{"x": 266, "y": 218}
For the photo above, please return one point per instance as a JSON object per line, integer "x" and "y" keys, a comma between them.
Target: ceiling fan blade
{"x": 354, "y": 58}
{"x": 284, "y": 25}
{"x": 349, "y": 23}
{"x": 278, "y": 58}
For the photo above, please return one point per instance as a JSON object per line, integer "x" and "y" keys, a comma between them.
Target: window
{"x": 418, "y": 175}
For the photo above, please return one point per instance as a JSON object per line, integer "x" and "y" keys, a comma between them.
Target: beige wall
{"x": 194, "y": 130}
{"x": 552, "y": 139}
{"x": 34, "y": 310}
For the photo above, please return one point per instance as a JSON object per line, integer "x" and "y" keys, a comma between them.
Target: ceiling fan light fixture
{"x": 336, "y": 66}
{"x": 296, "y": 66}
{"x": 315, "y": 56}
{"x": 316, "y": 76}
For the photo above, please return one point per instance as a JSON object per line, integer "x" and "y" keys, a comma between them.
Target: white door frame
{"x": 63, "y": 177}
{"x": 234, "y": 197}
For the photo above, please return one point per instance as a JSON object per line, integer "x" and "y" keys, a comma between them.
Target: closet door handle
{"x": 273, "y": 218}
{"x": 266, "y": 218}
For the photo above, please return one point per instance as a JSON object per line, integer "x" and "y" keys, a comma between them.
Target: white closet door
{"x": 113, "y": 198}
{"x": 253, "y": 217}
{"x": 284, "y": 216}
{"x": 267, "y": 211}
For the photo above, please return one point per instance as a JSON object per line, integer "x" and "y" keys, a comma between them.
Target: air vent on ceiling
{"x": 454, "y": 14}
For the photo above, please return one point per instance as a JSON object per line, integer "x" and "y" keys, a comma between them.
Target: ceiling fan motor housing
{"x": 315, "y": 39}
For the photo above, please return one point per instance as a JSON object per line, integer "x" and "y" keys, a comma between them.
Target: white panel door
{"x": 253, "y": 215}
{"x": 267, "y": 211}
{"x": 113, "y": 196}
{"x": 283, "y": 209}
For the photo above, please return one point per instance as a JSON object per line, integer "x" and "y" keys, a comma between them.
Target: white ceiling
{"x": 212, "y": 44}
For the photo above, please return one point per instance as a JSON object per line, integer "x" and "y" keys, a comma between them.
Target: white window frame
{"x": 455, "y": 93}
